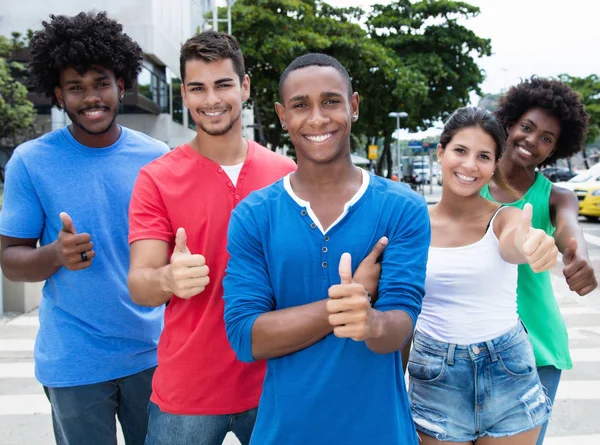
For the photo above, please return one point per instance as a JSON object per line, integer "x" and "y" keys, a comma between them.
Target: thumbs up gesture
{"x": 578, "y": 270}
{"x": 349, "y": 308}
{"x": 73, "y": 250}
{"x": 188, "y": 273}
{"x": 538, "y": 248}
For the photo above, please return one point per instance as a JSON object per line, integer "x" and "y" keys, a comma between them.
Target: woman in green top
{"x": 545, "y": 121}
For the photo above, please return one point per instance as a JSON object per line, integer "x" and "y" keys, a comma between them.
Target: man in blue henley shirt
{"x": 334, "y": 371}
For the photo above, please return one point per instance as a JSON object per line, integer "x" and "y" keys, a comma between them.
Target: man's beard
{"x": 226, "y": 130}
{"x": 73, "y": 117}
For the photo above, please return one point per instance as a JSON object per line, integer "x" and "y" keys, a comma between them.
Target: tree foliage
{"x": 17, "y": 113}
{"x": 589, "y": 90}
{"x": 411, "y": 57}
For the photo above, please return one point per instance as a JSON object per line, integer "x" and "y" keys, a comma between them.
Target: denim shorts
{"x": 459, "y": 393}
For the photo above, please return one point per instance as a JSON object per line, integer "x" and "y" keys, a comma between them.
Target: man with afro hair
{"x": 545, "y": 121}
{"x": 65, "y": 219}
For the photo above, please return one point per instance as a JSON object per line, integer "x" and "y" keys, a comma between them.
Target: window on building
{"x": 152, "y": 83}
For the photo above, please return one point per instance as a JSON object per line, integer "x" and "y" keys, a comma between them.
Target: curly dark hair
{"x": 556, "y": 98}
{"x": 80, "y": 42}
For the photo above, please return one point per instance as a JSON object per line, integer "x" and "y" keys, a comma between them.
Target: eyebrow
{"x": 216, "y": 82}
{"x": 78, "y": 81}
{"x": 300, "y": 98}
{"x": 534, "y": 124}
{"x": 467, "y": 148}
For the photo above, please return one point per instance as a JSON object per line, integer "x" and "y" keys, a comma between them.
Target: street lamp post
{"x": 398, "y": 115}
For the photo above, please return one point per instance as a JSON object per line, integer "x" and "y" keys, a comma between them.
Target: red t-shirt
{"x": 198, "y": 372}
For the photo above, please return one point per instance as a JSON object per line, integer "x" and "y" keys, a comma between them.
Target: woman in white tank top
{"x": 472, "y": 372}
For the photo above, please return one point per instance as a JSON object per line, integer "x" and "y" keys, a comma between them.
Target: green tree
{"x": 589, "y": 90}
{"x": 425, "y": 69}
{"x": 17, "y": 113}
{"x": 427, "y": 37}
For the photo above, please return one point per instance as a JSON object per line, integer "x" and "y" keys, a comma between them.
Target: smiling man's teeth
{"x": 319, "y": 138}
{"x": 525, "y": 152}
{"x": 465, "y": 178}
{"x": 213, "y": 113}
{"x": 93, "y": 113}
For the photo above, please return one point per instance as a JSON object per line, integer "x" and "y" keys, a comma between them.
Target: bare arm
{"x": 564, "y": 212}
{"x": 154, "y": 277}
{"x": 394, "y": 329}
{"x": 149, "y": 261}
{"x": 520, "y": 243}
{"x": 578, "y": 270}
{"x": 23, "y": 261}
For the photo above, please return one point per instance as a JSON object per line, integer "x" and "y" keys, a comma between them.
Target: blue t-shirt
{"x": 90, "y": 330}
{"x": 336, "y": 390}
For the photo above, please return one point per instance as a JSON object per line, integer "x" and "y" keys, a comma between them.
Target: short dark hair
{"x": 80, "y": 42}
{"x": 557, "y": 99}
{"x": 210, "y": 46}
{"x": 315, "y": 59}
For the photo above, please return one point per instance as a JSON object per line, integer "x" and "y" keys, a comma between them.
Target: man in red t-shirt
{"x": 179, "y": 215}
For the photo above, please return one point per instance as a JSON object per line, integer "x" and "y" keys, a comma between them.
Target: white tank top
{"x": 470, "y": 292}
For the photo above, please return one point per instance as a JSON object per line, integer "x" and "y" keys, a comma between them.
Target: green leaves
{"x": 413, "y": 57}
{"x": 16, "y": 112}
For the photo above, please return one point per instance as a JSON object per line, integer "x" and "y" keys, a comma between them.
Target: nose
{"x": 211, "y": 98}
{"x": 532, "y": 139}
{"x": 470, "y": 163}
{"x": 317, "y": 118}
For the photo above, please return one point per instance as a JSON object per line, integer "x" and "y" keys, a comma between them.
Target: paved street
{"x": 25, "y": 412}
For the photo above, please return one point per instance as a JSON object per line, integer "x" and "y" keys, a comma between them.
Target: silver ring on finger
{"x": 84, "y": 256}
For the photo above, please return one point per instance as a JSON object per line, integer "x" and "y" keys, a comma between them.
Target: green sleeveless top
{"x": 537, "y": 306}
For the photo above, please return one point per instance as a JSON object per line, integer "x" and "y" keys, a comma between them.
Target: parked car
{"x": 421, "y": 171}
{"x": 589, "y": 200}
{"x": 584, "y": 178}
{"x": 558, "y": 174}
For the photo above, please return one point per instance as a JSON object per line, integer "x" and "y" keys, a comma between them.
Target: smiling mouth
{"x": 94, "y": 112}
{"x": 213, "y": 113}
{"x": 465, "y": 177}
{"x": 321, "y": 137}
{"x": 523, "y": 151}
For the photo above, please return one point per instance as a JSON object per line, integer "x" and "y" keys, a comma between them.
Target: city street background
{"x": 25, "y": 413}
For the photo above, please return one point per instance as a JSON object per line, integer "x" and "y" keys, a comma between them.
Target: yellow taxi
{"x": 589, "y": 200}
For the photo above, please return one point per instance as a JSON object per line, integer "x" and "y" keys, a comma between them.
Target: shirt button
{"x": 313, "y": 225}
{"x": 220, "y": 170}
{"x": 324, "y": 264}
{"x": 229, "y": 184}
{"x": 326, "y": 238}
{"x": 324, "y": 250}
{"x": 303, "y": 213}
{"x": 237, "y": 196}
{"x": 476, "y": 350}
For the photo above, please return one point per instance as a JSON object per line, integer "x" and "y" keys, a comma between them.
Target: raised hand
{"x": 538, "y": 248}
{"x": 578, "y": 270}
{"x": 349, "y": 308}
{"x": 188, "y": 273}
{"x": 368, "y": 271}
{"x": 73, "y": 250}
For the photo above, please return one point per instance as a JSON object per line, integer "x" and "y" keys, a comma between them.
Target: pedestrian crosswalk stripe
{"x": 16, "y": 370}
{"x": 578, "y": 390}
{"x": 24, "y": 404}
{"x": 590, "y": 439}
{"x": 16, "y": 345}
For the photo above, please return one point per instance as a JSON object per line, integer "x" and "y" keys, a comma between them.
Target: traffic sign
{"x": 373, "y": 152}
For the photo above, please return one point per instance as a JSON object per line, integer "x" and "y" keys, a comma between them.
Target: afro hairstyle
{"x": 80, "y": 42}
{"x": 556, "y": 98}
